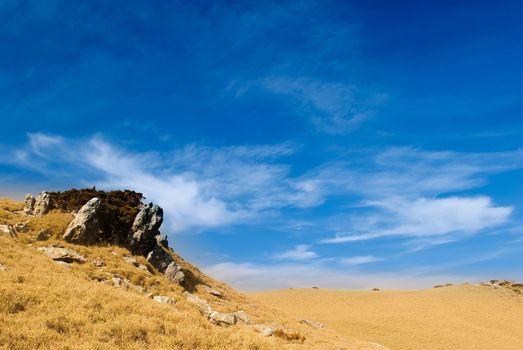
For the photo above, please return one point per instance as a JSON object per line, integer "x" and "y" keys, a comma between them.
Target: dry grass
{"x": 44, "y": 305}
{"x": 452, "y": 317}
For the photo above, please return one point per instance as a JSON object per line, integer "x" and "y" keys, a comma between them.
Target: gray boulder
{"x": 43, "y": 235}
{"x": 42, "y": 204}
{"x": 222, "y": 319}
{"x": 29, "y": 204}
{"x": 85, "y": 227}
{"x": 159, "y": 258}
{"x": 201, "y": 304}
{"x": 213, "y": 291}
{"x": 145, "y": 228}
{"x": 62, "y": 254}
{"x": 174, "y": 273}
{"x": 163, "y": 262}
{"x": 242, "y": 317}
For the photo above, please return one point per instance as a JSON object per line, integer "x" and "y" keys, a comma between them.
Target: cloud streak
{"x": 300, "y": 252}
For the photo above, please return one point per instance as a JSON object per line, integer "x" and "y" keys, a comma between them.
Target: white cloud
{"x": 431, "y": 217}
{"x": 198, "y": 187}
{"x": 300, "y": 252}
{"x": 359, "y": 260}
{"x": 400, "y": 190}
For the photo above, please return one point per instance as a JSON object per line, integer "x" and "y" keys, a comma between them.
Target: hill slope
{"x": 104, "y": 300}
{"x": 465, "y": 317}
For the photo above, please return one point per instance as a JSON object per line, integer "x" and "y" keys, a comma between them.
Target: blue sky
{"x": 343, "y": 144}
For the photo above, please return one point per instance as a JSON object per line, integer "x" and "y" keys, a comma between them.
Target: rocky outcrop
{"x": 174, "y": 273}
{"x": 218, "y": 318}
{"x": 145, "y": 229}
{"x": 62, "y": 254}
{"x": 163, "y": 262}
{"x": 29, "y": 204}
{"x": 85, "y": 229}
{"x": 42, "y": 204}
{"x": 106, "y": 218}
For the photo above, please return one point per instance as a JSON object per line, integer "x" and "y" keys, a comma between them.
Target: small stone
{"x": 3, "y": 267}
{"x": 21, "y": 227}
{"x": 8, "y": 229}
{"x": 203, "y": 305}
{"x": 264, "y": 330}
{"x": 164, "y": 299}
{"x": 143, "y": 267}
{"x": 131, "y": 261}
{"x": 313, "y": 324}
{"x": 135, "y": 263}
{"x": 43, "y": 235}
{"x": 124, "y": 283}
{"x": 98, "y": 262}
{"x": 213, "y": 291}
{"x": 242, "y": 317}
{"x": 62, "y": 254}
{"x": 222, "y": 319}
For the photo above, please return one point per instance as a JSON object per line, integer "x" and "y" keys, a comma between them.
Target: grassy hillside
{"x": 465, "y": 317}
{"x": 46, "y": 305}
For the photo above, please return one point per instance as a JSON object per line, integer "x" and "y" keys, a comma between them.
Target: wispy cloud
{"x": 198, "y": 187}
{"x": 432, "y": 217}
{"x": 359, "y": 260}
{"x": 334, "y": 107}
{"x": 300, "y": 252}
{"x": 398, "y": 192}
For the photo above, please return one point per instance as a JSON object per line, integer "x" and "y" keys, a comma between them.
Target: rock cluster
{"x": 144, "y": 239}
{"x": 507, "y": 284}
{"x": 13, "y": 230}
{"x": 163, "y": 262}
{"x": 218, "y": 318}
{"x": 38, "y": 206}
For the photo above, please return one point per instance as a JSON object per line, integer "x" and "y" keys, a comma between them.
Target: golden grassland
{"x": 464, "y": 317}
{"x": 44, "y": 305}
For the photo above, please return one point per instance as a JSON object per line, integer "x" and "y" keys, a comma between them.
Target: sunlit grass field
{"x": 464, "y": 317}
